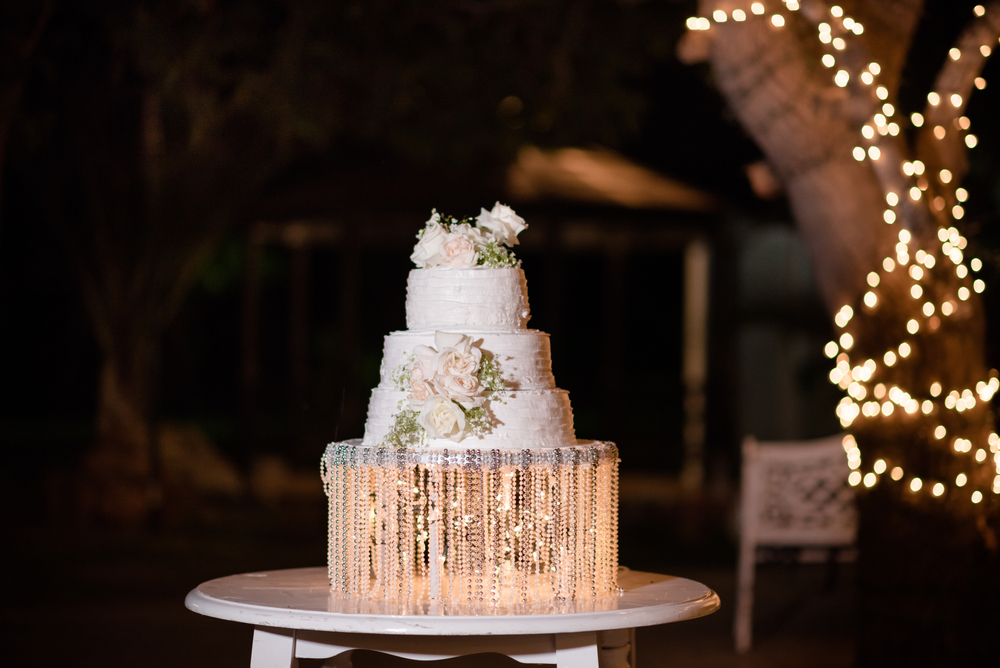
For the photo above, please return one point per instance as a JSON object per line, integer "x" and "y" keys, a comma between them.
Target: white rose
{"x": 425, "y": 360}
{"x": 503, "y": 223}
{"x": 431, "y": 240}
{"x": 459, "y": 248}
{"x": 442, "y": 418}
{"x": 420, "y": 391}
{"x": 452, "y": 340}
{"x": 462, "y": 389}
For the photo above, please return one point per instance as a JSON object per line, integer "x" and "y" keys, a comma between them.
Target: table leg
{"x": 617, "y": 648}
{"x": 273, "y": 648}
{"x": 576, "y": 650}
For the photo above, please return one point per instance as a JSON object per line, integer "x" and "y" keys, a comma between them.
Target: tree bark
{"x": 120, "y": 467}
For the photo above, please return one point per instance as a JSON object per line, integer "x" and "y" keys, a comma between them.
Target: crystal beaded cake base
{"x": 472, "y": 527}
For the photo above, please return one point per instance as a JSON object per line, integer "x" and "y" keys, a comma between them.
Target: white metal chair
{"x": 793, "y": 495}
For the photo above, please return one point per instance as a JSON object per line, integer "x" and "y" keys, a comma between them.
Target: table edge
{"x": 472, "y": 625}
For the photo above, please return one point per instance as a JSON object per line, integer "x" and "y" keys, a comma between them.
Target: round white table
{"x": 296, "y": 616}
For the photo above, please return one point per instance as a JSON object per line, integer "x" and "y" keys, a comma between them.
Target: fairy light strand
{"x": 879, "y": 400}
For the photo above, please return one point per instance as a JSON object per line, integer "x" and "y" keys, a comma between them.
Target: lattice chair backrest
{"x": 796, "y": 493}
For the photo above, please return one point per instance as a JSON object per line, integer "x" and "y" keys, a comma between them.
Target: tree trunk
{"x": 929, "y": 569}
{"x": 120, "y": 466}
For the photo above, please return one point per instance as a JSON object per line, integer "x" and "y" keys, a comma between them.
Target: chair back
{"x": 796, "y": 494}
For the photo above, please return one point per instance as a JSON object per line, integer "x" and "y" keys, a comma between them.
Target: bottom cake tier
{"x": 472, "y": 527}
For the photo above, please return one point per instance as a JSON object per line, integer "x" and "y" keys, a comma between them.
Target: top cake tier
{"x": 479, "y": 297}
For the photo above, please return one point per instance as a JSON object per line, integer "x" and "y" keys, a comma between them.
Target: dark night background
{"x": 398, "y": 109}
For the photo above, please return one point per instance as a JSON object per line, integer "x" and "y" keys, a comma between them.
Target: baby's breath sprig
{"x": 491, "y": 377}
{"x": 401, "y": 376}
{"x": 478, "y": 421}
{"x": 406, "y": 430}
{"x": 495, "y": 256}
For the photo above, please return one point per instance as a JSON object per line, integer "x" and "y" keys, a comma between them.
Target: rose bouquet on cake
{"x": 470, "y": 242}
{"x": 449, "y": 387}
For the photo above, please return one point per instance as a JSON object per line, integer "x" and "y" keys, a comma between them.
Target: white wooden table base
{"x": 296, "y": 617}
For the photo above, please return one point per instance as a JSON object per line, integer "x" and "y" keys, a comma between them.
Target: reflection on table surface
{"x": 307, "y": 589}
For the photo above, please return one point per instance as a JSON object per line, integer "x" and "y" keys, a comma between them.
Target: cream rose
{"x": 420, "y": 391}
{"x": 459, "y": 248}
{"x": 451, "y": 362}
{"x": 456, "y": 355}
{"x": 463, "y": 389}
{"x": 431, "y": 239}
{"x": 442, "y": 418}
{"x": 502, "y": 223}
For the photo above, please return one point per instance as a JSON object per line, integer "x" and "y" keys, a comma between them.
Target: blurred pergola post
{"x": 250, "y": 343}
{"x": 694, "y": 369}
{"x": 299, "y": 237}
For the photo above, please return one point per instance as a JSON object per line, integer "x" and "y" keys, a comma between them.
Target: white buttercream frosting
{"x": 479, "y": 298}
{"x": 523, "y": 355}
{"x": 527, "y": 419}
{"x": 491, "y": 307}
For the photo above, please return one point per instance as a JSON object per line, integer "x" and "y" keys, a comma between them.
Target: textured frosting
{"x": 479, "y": 298}
{"x": 523, "y": 355}
{"x": 527, "y": 419}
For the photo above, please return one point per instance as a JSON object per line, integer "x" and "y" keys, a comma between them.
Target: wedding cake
{"x": 470, "y": 487}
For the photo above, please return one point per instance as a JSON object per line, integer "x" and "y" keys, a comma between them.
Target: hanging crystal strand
{"x": 433, "y": 513}
{"x": 448, "y": 518}
{"x": 373, "y": 525}
{"x": 476, "y": 533}
{"x": 611, "y": 561}
{"x": 613, "y": 535}
{"x": 490, "y": 516}
{"x": 365, "y": 506}
{"x": 386, "y": 501}
{"x": 581, "y": 500}
{"x": 568, "y": 514}
{"x": 422, "y": 532}
{"x": 500, "y": 540}
{"x": 558, "y": 526}
{"x": 529, "y": 534}
{"x": 590, "y": 560}
{"x": 488, "y": 571}
{"x": 573, "y": 535}
{"x": 551, "y": 510}
{"x": 395, "y": 535}
{"x": 352, "y": 525}
{"x": 332, "y": 483}
{"x": 463, "y": 574}
{"x": 575, "y": 543}
{"x": 376, "y": 517}
{"x": 477, "y": 542}
{"x": 355, "y": 528}
{"x": 603, "y": 501}
{"x": 510, "y": 533}
{"x": 409, "y": 530}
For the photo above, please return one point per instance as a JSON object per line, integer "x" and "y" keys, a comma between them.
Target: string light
{"x": 863, "y": 379}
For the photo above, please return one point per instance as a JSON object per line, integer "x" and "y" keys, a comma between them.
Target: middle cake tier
{"x": 532, "y": 413}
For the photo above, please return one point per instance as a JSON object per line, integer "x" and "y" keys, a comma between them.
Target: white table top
{"x": 300, "y": 598}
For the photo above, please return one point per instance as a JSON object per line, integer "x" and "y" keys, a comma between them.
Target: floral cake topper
{"x": 471, "y": 242}
{"x": 449, "y": 386}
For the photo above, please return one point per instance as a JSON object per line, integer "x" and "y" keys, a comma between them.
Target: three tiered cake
{"x": 469, "y": 487}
